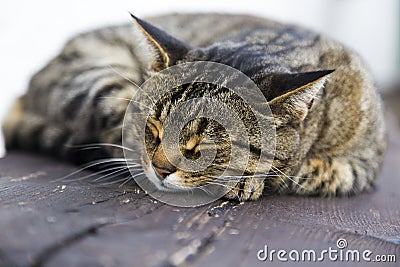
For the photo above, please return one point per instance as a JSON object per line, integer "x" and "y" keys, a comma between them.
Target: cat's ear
{"x": 292, "y": 95}
{"x": 168, "y": 49}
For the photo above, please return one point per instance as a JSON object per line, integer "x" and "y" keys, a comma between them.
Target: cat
{"x": 330, "y": 131}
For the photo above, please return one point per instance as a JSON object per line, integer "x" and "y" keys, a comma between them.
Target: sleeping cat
{"x": 330, "y": 136}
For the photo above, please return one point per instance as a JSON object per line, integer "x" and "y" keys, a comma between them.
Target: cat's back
{"x": 272, "y": 42}
{"x": 280, "y": 46}
{"x": 202, "y": 29}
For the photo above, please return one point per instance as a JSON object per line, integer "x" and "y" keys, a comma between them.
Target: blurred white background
{"x": 31, "y": 32}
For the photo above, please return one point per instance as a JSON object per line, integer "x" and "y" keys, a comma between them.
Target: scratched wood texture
{"x": 44, "y": 222}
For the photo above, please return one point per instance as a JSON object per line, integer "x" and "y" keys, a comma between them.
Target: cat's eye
{"x": 153, "y": 130}
{"x": 196, "y": 145}
{"x": 193, "y": 145}
{"x": 155, "y": 127}
{"x": 192, "y": 153}
{"x": 195, "y": 149}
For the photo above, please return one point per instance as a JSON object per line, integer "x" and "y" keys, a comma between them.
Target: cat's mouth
{"x": 169, "y": 183}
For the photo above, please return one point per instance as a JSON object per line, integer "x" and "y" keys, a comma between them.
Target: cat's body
{"x": 329, "y": 140}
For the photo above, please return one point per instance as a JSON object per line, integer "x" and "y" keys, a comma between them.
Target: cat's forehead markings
{"x": 164, "y": 112}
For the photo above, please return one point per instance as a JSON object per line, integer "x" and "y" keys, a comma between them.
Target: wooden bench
{"x": 44, "y": 222}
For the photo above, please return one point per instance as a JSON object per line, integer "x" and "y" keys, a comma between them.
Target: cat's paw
{"x": 246, "y": 189}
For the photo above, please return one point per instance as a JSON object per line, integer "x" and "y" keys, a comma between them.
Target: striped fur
{"x": 330, "y": 138}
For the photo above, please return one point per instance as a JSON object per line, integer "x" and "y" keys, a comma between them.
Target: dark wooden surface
{"x": 44, "y": 222}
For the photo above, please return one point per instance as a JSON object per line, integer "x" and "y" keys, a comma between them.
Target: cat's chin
{"x": 172, "y": 183}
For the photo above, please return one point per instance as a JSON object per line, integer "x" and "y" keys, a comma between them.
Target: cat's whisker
{"x": 204, "y": 189}
{"x": 190, "y": 191}
{"x": 283, "y": 183}
{"x": 94, "y": 145}
{"x": 142, "y": 104}
{"x": 285, "y": 175}
{"x": 245, "y": 177}
{"x": 261, "y": 176}
{"x": 123, "y": 75}
{"x": 138, "y": 174}
{"x": 116, "y": 181}
{"x": 92, "y": 164}
{"x": 132, "y": 82}
{"x": 131, "y": 178}
{"x": 118, "y": 172}
{"x": 110, "y": 177}
{"x": 221, "y": 184}
{"x": 114, "y": 97}
{"x": 235, "y": 176}
{"x": 96, "y": 173}
{"x": 241, "y": 176}
{"x": 134, "y": 170}
{"x": 126, "y": 181}
{"x": 130, "y": 100}
{"x": 134, "y": 165}
{"x": 229, "y": 187}
{"x": 112, "y": 129}
{"x": 291, "y": 176}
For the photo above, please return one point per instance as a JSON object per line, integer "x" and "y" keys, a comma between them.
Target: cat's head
{"x": 290, "y": 97}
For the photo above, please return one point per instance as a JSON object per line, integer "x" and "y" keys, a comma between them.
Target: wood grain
{"x": 45, "y": 222}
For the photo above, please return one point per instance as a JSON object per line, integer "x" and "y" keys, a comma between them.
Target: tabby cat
{"x": 330, "y": 136}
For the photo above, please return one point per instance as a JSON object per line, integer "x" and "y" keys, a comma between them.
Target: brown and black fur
{"x": 330, "y": 133}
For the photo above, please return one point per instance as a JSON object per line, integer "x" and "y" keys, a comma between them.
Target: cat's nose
{"x": 164, "y": 171}
{"x": 161, "y": 164}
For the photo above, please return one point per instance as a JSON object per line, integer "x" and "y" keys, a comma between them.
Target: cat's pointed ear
{"x": 168, "y": 49}
{"x": 293, "y": 94}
